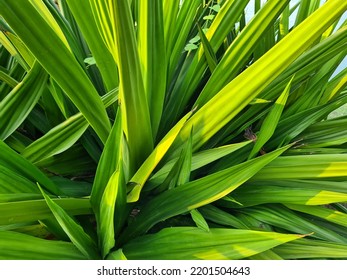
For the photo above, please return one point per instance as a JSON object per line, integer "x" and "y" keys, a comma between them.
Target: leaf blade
{"x": 217, "y": 244}
{"x": 75, "y": 232}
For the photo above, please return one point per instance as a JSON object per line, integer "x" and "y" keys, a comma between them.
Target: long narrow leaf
{"x": 151, "y": 55}
{"x": 284, "y": 218}
{"x": 17, "y": 105}
{"x": 306, "y": 166}
{"x": 324, "y": 213}
{"x": 112, "y": 208}
{"x": 11, "y": 182}
{"x": 312, "y": 249}
{"x": 18, "y": 246}
{"x": 20, "y": 165}
{"x": 291, "y": 191}
{"x": 34, "y": 210}
{"x": 60, "y": 138}
{"x": 108, "y": 164}
{"x": 133, "y": 100}
{"x": 218, "y": 244}
{"x": 270, "y": 122}
{"x": 75, "y": 232}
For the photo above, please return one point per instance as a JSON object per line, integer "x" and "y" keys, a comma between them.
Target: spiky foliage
{"x": 167, "y": 129}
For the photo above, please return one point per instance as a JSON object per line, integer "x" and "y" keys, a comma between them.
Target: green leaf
{"x": 335, "y": 86}
{"x": 170, "y": 11}
{"x": 286, "y": 132}
{"x": 302, "y": 192}
{"x": 305, "y": 167}
{"x": 208, "y": 51}
{"x": 259, "y": 101}
{"x": 199, "y": 220}
{"x": 77, "y": 235}
{"x": 195, "y": 39}
{"x": 267, "y": 255}
{"x": 190, "y": 47}
{"x": 18, "y": 246}
{"x": 309, "y": 62}
{"x": 215, "y": 8}
{"x": 325, "y": 133}
{"x": 112, "y": 207}
{"x": 209, "y": 17}
{"x": 6, "y": 42}
{"x": 221, "y": 217}
{"x": 34, "y": 210}
{"x": 75, "y": 163}
{"x": 23, "y": 167}
{"x": 57, "y": 140}
{"x": 4, "y": 77}
{"x": 270, "y": 122}
{"x": 324, "y": 213}
{"x": 18, "y": 197}
{"x": 22, "y": 49}
{"x": 108, "y": 164}
{"x": 180, "y": 171}
{"x": 284, "y": 22}
{"x": 72, "y": 187}
{"x": 312, "y": 249}
{"x": 284, "y": 218}
{"x": 185, "y": 164}
{"x": 151, "y": 55}
{"x": 218, "y": 244}
{"x": 17, "y": 105}
{"x": 11, "y": 182}
{"x": 303, "y": 11}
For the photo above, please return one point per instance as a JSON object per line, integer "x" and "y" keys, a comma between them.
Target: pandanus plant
{"x": 168, "y": 129}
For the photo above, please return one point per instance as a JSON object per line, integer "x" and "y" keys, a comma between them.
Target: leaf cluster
{"x": 168, "y": 129}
